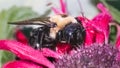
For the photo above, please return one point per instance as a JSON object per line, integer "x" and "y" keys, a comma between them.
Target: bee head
{"x": 61, "y": 21}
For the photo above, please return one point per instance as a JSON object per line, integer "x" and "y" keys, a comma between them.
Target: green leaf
{"x": 115, "y": 13}
{"x": 5, "y": 57}
{"x": 113, "y": 33}
{"x": 13, "y": 14}
{"x": 114, "y": 3}
{"x": 114, "y": 8}
{"x": 6, "y": 30}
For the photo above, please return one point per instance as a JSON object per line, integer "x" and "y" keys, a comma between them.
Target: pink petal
{"x": 102, "y": 7}
{"x": 25, "y": 52}
{"x": 63, "y": 6}
{"x": 49, "y": 53}
{"x": 90, "y": 31}
{"x": 90, "y": 36}
{"x": 21, "y": 64}
{"x": 100, "y": 38}
{"x": 62, "y": 10}
{"x": 96, "y": 30}
{"x": 85, "y": 21}
{"x": 101, "y": 21}
{"x": 118, "y": 43}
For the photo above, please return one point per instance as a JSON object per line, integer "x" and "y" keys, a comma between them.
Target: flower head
{"x": 94, "y": 56}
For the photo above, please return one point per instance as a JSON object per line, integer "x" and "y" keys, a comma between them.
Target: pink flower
{"x": 29, "y": 57}
{"x": 63, "y": 9}
{"x": 97, "y": 29}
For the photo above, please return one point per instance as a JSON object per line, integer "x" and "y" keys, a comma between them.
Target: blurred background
{"x": 16, "y": 10}
{"x": 40, "y": 6}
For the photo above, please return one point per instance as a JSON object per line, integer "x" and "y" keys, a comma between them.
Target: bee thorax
{"x": 62, "y": 21}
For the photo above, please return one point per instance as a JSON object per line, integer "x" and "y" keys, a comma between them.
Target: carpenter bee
{"x": 58, "y": 28}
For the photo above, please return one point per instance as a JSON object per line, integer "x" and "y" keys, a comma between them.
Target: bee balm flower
{"x": 94, "y": 56}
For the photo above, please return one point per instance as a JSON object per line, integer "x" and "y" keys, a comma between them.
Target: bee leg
{"x": 59, "y": 36}
{"x": 36, "y": 37}
{"x": 40, "y": 40}
{"x": 48, "y": 42}
{"x": 70, "y": 41}
{"x": 33, "y": 38}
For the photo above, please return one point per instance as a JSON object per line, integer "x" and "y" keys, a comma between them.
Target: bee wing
{"x": 33, "y": 21}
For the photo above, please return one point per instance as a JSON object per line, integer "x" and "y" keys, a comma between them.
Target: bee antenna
{"x": 81, "y": 9}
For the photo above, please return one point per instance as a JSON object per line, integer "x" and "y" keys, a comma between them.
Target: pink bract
{"x": 97, "y": 27}
{"x": 21, "y": 64}
{"x": 63, "y": 9}
{"x": 25, "y": 52}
